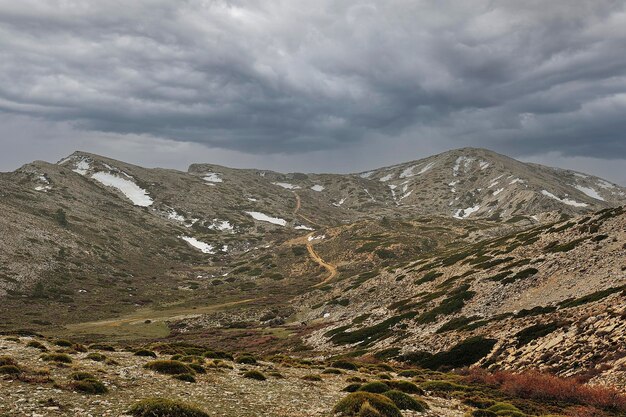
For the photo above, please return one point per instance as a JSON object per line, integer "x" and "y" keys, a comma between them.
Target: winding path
{"x": 332, "y": 269}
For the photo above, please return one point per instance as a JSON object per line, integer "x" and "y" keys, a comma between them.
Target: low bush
{"x": 352, "y": 404}
{"x": 344, "y": 364}
{"x": 56, "y": 357}
{"x": 352, "y": 387}
{"x": 405, "y": 402}
{"x": 185, "y": 377}
{"x": 442, "y": 386}
{"x": 161, "y": 407}
{"x": 169, "y": 367}
{"x": 405, "y": 386}
{"x": 95, "y": 356}
{"x": 145, "y": 352}
{"x": 37, "y": 345}
{"x": 10, "y": 370}
{"x": 63, "y": 343}
{"x": 312, "y": 378}
{"x": 375, "y": 387}
{"x": 86, "y": 383}
{"x": 199, "y": 369}
{"x": 333, "y": 371}
{"x": 7, "y": 360}
{"x": 255, "y": 375}
{"x": 548, "y": 388}
{"x": 246, "y": 360}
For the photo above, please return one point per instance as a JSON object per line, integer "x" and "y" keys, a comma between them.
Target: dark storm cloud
{"x": 294, "y": 76}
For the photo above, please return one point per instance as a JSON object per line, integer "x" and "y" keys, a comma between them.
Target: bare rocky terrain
{"x": 467, "y": 258}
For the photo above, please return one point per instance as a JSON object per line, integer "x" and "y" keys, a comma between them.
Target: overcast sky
{"x": 324, "y": 85}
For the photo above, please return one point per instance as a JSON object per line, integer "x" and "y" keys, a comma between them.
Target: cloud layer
{"x": 280, "y": 76}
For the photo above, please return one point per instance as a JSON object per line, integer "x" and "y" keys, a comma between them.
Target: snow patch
{"x": 221, "y": 225}
{"x": 202, "y": 246}
{"x": 343, "y": 200}
{"x": 386, "y": 177}
{"x": 484, "y": 165}
{"x": 312, "y": 238}
{"x": 172, "y": 215}
{"x": 303, "y": 227}
{"x": 498, "y": 191}
{"x": 212, "y": 177}
{"x": 82, "y": 167}
{"x": 590, "y": 192}
{"x": 366, "y": 174}
{"x": 132, "y": 191}
{"x": 465, "y": 213}
{"x": 318, "y": 188}
{"x": 461, "y": 161}
{"x": 265, "y": 218}
{"x": 567, "y": 201}
{"x": 286, "y": 185}
{"x": 516, "y": 180}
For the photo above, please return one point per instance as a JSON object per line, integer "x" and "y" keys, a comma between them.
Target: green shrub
{"x": 333, "y": 371}
{"x": 536, "y": 331}
{"x": 409, "y": 373}
{"x": 145, "y": 352}
{"x": 209, "y": 354}
{"x": 63, "y": 343}
{"x": 185, "y": 377}
{"x": 37, "y": 345}
{"x": 10, "y": 370}
{"x": 368, "y": 411}
{"x": 344, "y": 364}
{"x": 376, "y": 387}
{"x": 352, "y": 387}
{"x": 352, "y": 404}
{"x": 95, "y": 356}
{"x": 405, "y": 386}
{"x": 500, "y": 408}
{"x": 465, "y": 353}
{"x": 246, "y": 360}
{"x": 383, "y": 376}
{"x": 312, "y": 378}
{"x": 7, "y": 360}
{"x": 56, "y": 357}
{"x": 405, "y": 402}
{"x": 199, "y": 369}
{"x": 89, "y": 386}
{"x": 161, "y": 407}
{"x": 255, "y": 375}
{"x": 368, "y": 335}
{"x": 169, "y": 367}
{"x": 81, "y": 376}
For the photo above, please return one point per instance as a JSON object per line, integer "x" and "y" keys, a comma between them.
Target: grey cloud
{"x": 277, "y": 76}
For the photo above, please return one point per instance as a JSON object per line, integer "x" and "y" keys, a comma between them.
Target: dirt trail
{"x": 332, "y": 269}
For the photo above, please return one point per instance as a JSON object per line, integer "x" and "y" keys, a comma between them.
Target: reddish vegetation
{"x": 544, "y": 387}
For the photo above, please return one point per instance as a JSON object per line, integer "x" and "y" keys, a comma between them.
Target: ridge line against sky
{"x": 314, "y": 86}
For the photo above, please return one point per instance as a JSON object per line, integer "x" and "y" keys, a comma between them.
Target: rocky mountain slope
{"x": 406, "y": 262}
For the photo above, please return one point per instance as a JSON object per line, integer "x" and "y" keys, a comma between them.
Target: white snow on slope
{"x": 407, "y": 173}
{"x": 221, "y": 225}
{"x": 605, "y": 184}
{"x": 590, "y": 192}
{"x": 173, "y": 215}
{"x": 203, "y": 247}
{"x": 366, "y": 174}
{"x": 132, "y": 191}
{"x": 312, "y": 238}
{"x": 265, "y": 218}
{"x": 212, "y": 177}
{"x": 82, "y": 167}
{"x": 463, "y": 161}
{"x": 387, "y": 177}
{"x": 484, "y": 165}
{"x": 498, "y": 191}
{"x": 286, "y": 185}
{"x": 303, "y": 227}
{"x": 343, "y": 200}
{"x": 516, "y": 180}
{"x": 318, "y": 188}
{"x": 464, "y": 213}
{"x": 567, "y": 201}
